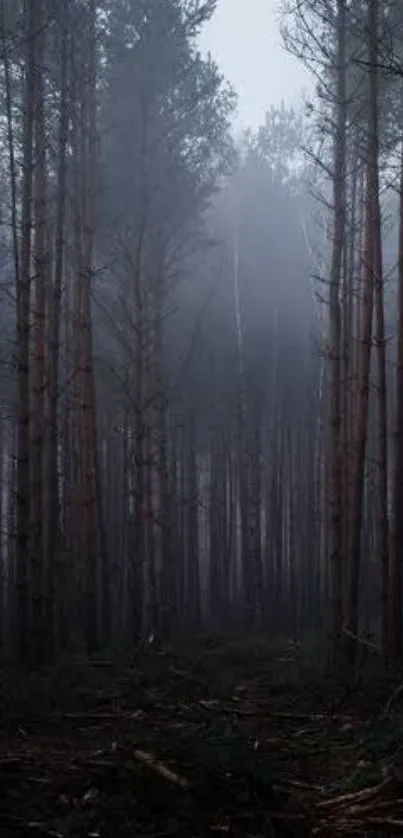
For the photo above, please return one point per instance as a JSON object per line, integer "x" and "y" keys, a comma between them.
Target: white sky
{"x": 244, "y": 38}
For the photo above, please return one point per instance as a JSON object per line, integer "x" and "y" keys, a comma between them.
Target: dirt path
{"x": 218, "y": 739}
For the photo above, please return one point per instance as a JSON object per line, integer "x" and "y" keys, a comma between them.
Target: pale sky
{"x": 244, "y": 38}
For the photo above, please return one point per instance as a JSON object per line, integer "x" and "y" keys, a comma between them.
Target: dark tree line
{"x": 357, "y": 147}
{"x": 200, "y": 407}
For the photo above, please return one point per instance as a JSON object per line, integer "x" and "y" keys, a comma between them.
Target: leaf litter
{"x": 229, "y": 737}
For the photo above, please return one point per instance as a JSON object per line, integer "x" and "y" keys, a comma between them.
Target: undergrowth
{"x": 210, "y": 734}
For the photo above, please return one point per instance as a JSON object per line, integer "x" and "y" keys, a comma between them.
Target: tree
{"x": 335, "y": 453}
{"x": 23, "y": 292}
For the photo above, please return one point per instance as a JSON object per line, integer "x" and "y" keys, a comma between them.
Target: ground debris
{"x": 187, "y": 743}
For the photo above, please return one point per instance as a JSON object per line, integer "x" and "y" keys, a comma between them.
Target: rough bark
{"x": 335, "y": 465}
{"x": 38, "y": 508}
{"x": 396, "y": 575}
{"x": 54, "y": 520}
{"x": 361, "y": 423}
{"x": 382, "y": 529}
{"x": 23, "y": 345}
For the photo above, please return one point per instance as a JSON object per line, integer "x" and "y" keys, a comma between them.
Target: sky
{"x": 244, "y": 38}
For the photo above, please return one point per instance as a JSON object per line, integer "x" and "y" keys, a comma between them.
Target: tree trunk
{"x": 23, "y": 345}
{"x": 396, "y": 576}
{"x": 361, "y": 422}
{"x": 193, "y": 586}
{"x": 54, "y": 519}
{"x": 335, "y": 467}
{"x": 38, "y": 559}
{"x": 382, "y": 535}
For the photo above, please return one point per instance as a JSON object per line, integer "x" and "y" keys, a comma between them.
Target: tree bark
{"x": 23, "y": 345}
{"x": 335, "y": 454}
{"x": 38, "y": 559}
{"x": 382, "y": 534}
{"x": 396, "y": 575}
{"x": 361, "y": 422}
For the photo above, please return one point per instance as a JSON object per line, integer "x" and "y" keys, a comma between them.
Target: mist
{"x": 201, "y": 416}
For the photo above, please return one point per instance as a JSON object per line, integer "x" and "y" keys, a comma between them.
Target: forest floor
{"x": 218, "y": 738}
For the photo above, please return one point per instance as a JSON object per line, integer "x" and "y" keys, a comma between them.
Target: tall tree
{"x": 335, "y": 451}
{"x": 23, "y": 338}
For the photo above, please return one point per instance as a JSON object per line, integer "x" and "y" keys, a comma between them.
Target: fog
{"x": 244, "y": 38}
{"x": 201, "y": 417}
{"x": 166, "y": 245}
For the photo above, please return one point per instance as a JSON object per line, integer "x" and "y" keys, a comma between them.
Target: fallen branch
{"x": 151, "y": 762}
{"x": 345, "y": 825}
{"x": 396, "y": 822}
{"x": 398, "y": 691}
{"x": 344, "y": 800}
{"x": 299, "y": 784}
{"x": 274, "y": 714}
{"x": 103, "y": 717}
{"x": 362, "y": 641}
{"x": 372, "y": 807}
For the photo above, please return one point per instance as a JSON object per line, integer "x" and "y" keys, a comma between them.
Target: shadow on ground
{"x": 215, "y": 738}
